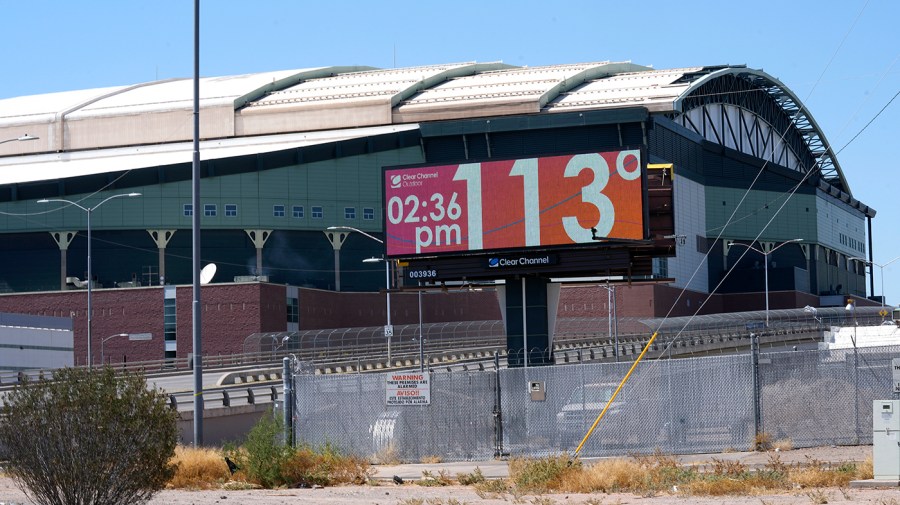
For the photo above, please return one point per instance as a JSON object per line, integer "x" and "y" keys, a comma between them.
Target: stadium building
{"x": 288, "y": 154}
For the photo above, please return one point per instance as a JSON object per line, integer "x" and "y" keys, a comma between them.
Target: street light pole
{"x": 90, "y": 279}
{"x": 421, "y": 336}
{"x": 388, "y": 329}
{"x": 766, "y": 266}
{"x": 103, "y": 343}
{"x": 851, "y": 307}
{"x": 131, "y": 336}
{"x": 881, "y": 270}
{"x": 23, "y": 138}
{"x": 611, "y": 317}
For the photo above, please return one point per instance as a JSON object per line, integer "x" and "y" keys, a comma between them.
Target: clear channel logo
{"x": 522, "y": 261}
{"x": 395, "y": 181}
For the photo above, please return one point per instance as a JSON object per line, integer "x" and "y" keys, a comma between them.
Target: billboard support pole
{"x": 524, "y": 323}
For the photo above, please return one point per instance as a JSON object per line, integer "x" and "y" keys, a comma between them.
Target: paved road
{"x": 184, "y": 382}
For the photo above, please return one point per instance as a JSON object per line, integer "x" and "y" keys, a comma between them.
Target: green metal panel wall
{"x": 332, "y": 184}
{"x": 796, "y": 220}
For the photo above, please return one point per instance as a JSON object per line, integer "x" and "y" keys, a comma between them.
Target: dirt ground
{"x": 387, "y": 493}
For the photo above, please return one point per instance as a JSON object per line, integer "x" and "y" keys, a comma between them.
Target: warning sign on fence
{"x": 408, "y": 388}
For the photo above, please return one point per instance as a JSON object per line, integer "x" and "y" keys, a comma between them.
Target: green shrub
{"x": 88, "y": 437}
{"x": 263, "y": 454}
{"x": 264, "y": 460}
{"x": 324, "y": 466}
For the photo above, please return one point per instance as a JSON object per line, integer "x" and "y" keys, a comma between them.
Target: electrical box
{"x": 537, "y": 392}
{"x": 886, "y": 439}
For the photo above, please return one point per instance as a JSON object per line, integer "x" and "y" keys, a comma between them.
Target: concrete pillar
{"x": 337, "y": 238}
{"x": 259, "y": 238}
{"x": 809, "y": 280}
{"x": 63, "y": 239}
{"x": 726, "y": 248}
{"x": 161, "y": 237}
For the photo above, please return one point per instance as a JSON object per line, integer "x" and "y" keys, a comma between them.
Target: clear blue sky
{"x": 839, "y": 57}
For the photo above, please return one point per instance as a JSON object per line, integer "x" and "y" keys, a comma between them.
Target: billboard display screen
{"x": 520, "y": 203}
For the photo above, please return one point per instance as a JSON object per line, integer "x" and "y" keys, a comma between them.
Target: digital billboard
{"x": 519, "y": 203}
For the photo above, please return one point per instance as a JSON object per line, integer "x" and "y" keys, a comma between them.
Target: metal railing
{"x": 226, "y": 397}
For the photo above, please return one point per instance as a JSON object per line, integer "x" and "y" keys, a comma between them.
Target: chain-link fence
{"x": 681, "y": 406}
{"x": 350, "y": 412}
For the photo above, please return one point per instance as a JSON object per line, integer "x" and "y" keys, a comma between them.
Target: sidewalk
{"x": 495, "y": 469}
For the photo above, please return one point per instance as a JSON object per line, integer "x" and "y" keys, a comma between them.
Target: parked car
{"x": 620, "y": 425}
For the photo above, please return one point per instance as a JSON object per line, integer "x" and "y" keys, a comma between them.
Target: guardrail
{"x": 401, "y": 352}
{"x": 226, "y": 397}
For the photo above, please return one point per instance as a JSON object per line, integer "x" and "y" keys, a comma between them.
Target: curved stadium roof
{"x": 125, "y": 127}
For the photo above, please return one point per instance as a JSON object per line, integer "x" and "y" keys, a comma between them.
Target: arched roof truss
{"x": 752, "y": 112}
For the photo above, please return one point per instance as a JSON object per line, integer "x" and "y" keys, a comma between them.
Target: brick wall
{"x": 328, "y": 309}
{"x": 232, "y": 312}
{"x": 136, "y": 310}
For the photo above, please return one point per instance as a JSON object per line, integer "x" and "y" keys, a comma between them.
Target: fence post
{"x": 498, "y": 413}
{"x": 855, "y": 386}
{"x": 288, "y": 402}
{"x": 754, "y": 365}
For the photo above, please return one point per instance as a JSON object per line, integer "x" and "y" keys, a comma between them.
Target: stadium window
{"x": 170, "y": 319}
{"x": 349, "y": 212}
{"x": 188, "y": 210}
{"x": 209, "y": 210}
{"x": 660, "y": 267}
{"x": 368, "y": 213}
{"x": 278, "y": 210}
{"x": 230, "y": 210}
{"x": 293, "y": 310}
{"x": 297, "y": 211}
{"x": 317, "y": 212}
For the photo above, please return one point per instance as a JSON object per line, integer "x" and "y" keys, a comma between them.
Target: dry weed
{"x": 717, "y": 486}
{"x": 783, "y": 444}
{"x": 817, "y": 474}
{"x": 607, "y": 476}
{"x": 728, "y": 468}
{"x": 776, "y": 466}
{"x": 198, "y": 468}
{"x": 239, "y": 485}
{"x": 818, "y": 496}
{"x": 491, "y": 489}
{"x": 431, "y": 460}
{"x": 387, "y": 456}
{"x": 430, "y": 480}
{"x": 762, "y": 442}
{"x": 865, "y": 470}
{"x": 324, "y": 467}
{"x": 468, "y": 479}
{"x": 541, "y": 474}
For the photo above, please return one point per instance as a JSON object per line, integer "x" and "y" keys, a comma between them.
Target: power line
{"x": 870, "y": 122}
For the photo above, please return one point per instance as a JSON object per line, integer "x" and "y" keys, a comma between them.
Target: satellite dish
{"x": 207, "y": 273}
